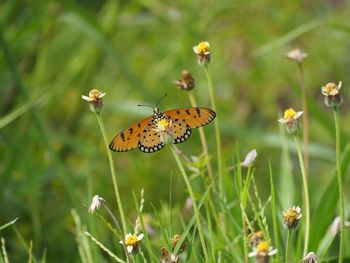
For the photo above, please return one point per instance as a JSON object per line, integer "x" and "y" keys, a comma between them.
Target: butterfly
{"x": 147, "y": 134}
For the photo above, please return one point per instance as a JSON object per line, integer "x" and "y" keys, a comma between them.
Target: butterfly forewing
{"x": 194, "y": 117}
{"x": 129, "y": 138}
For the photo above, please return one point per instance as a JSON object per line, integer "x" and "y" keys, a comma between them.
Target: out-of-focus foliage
{"x": 52, "y": 154}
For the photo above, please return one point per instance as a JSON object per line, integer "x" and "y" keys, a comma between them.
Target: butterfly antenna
{"x": 145, "y": 105}
{"x": 166, "y": 94}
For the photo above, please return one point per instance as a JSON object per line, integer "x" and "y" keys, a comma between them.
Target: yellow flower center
{"x": 263, "y": 246}
{"x": 203, "y": 47}
{"x": 291, "y": 216}
{"x": 131, "y": 240}
{"x": 94, "y": 94}
{"x": 289, "y": 114}
{"x": 164, "y": 124}
{"x": 331, "y": 88}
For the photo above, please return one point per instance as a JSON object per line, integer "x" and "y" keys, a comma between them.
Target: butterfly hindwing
{"x": 129, "y": 138}
{"x": 149, "y": 141}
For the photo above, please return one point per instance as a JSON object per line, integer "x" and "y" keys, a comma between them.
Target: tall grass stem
{"x": 340, "y": 182}
{"x": 306, "y": 196}
{"x": 203, "y": 139}
{"x": 114, "y": 177}
{"x": 289, "y": 234}
{"x": 305, "y": 118}
{"x": 217, "y": 131}
{"x": 194, "y": 203}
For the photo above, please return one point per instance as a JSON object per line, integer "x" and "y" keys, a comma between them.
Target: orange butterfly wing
{"x": 129, "y": 138}
{"x": 150, "y": 140}
{"x": 142, "y": 135}
{"x": 184, "y": 119}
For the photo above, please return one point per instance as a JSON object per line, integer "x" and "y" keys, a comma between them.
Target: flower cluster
{"x": 203, "y": 53}
{"x": 187, "y": 82}
{"x": 263, "y": 251}
{"x": 296, "y": 55}
{"x": 332, "y": 96}
{"x": 95, "y": 100}
{"x": 170, "y": 257}
{"x": 291, "y": 217}
{"x": 131, "y": 242}
{"x": 290, "y": 119}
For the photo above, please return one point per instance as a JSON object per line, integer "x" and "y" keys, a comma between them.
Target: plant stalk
{"x": 217, "y": 132}
{"x": 305, "y": 118}
{"x": 306, "y": 196}
{"x": 340, "y": 182}
{"x": 203, "y": 139}
{"x": 114, "y": 178}
{"x": 195, "y": 207}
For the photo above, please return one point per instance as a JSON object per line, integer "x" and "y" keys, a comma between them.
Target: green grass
{"x": 53, "y": 158}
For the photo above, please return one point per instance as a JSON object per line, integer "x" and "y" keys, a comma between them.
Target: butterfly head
{"x": 157, "y": 115}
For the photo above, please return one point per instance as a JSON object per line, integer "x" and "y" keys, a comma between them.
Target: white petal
{"x": 86, "y": 98}
{"x": 249, "y": 159}
{"x": 339, "y": 85}
{"x": 195, "y": 49}
{"x": 272, "y": 252}
{"x": 252, "y": 254}
{"x": 129, "y": 249}
{"x": 101, "y": 95}
{"x": 281, "y": 120}
{"x": 121, "y": 242}
{"x": 299, "y": 113}
{"x": 140, "y": 237}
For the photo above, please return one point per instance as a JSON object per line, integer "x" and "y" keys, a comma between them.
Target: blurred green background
{"x": 52, "y": 154}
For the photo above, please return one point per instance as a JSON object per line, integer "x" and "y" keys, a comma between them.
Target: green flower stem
{"x": 289, "y": 235}
{"x": 114, "y": 178}
{"x": 195, "y": 207}
{"x": 305, "y": 118}
{"x": 217, "y": 132}
{"x": 203, "y": 139}
{"x": 340, "y": 182}
{"x": 306, "y": 196}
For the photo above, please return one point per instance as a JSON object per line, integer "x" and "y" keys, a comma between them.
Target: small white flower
{"x": 95, "y": 204}
{"x": 94, "y": 95}
{"x": 297, "y": 55}
{"x": 331, "y": 89}
{"x": 249, "y": 159}
{"x": 290, "y": 115}
{"x": 263, "y": 249}
{"x": 131, "y": 242}
{"x": 202, "y": 48}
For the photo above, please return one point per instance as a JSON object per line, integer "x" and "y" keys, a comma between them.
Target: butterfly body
{"x": 152, "y": 133}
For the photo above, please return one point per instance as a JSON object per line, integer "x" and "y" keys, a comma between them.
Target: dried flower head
{"x": 296, "y": 55}
{"x": 291, "y": 217}
{"x": 290, "y": 119}
{"x": 332, "y": 96}
{"x": 256, "y": 237}
{"x": 186, "y": 82}
{"x": 131, "y": 242}
{"x": 174, "y": 242}
{"x": 163, "y": 127}
{"x": 203, "y": 52}
{"x": 168, "y": 257}
{"x": 95, "y": 100}
{"x": 309, "y": 258}
{"x": 95, "y": 204}
{"x": 263, "y": 251}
